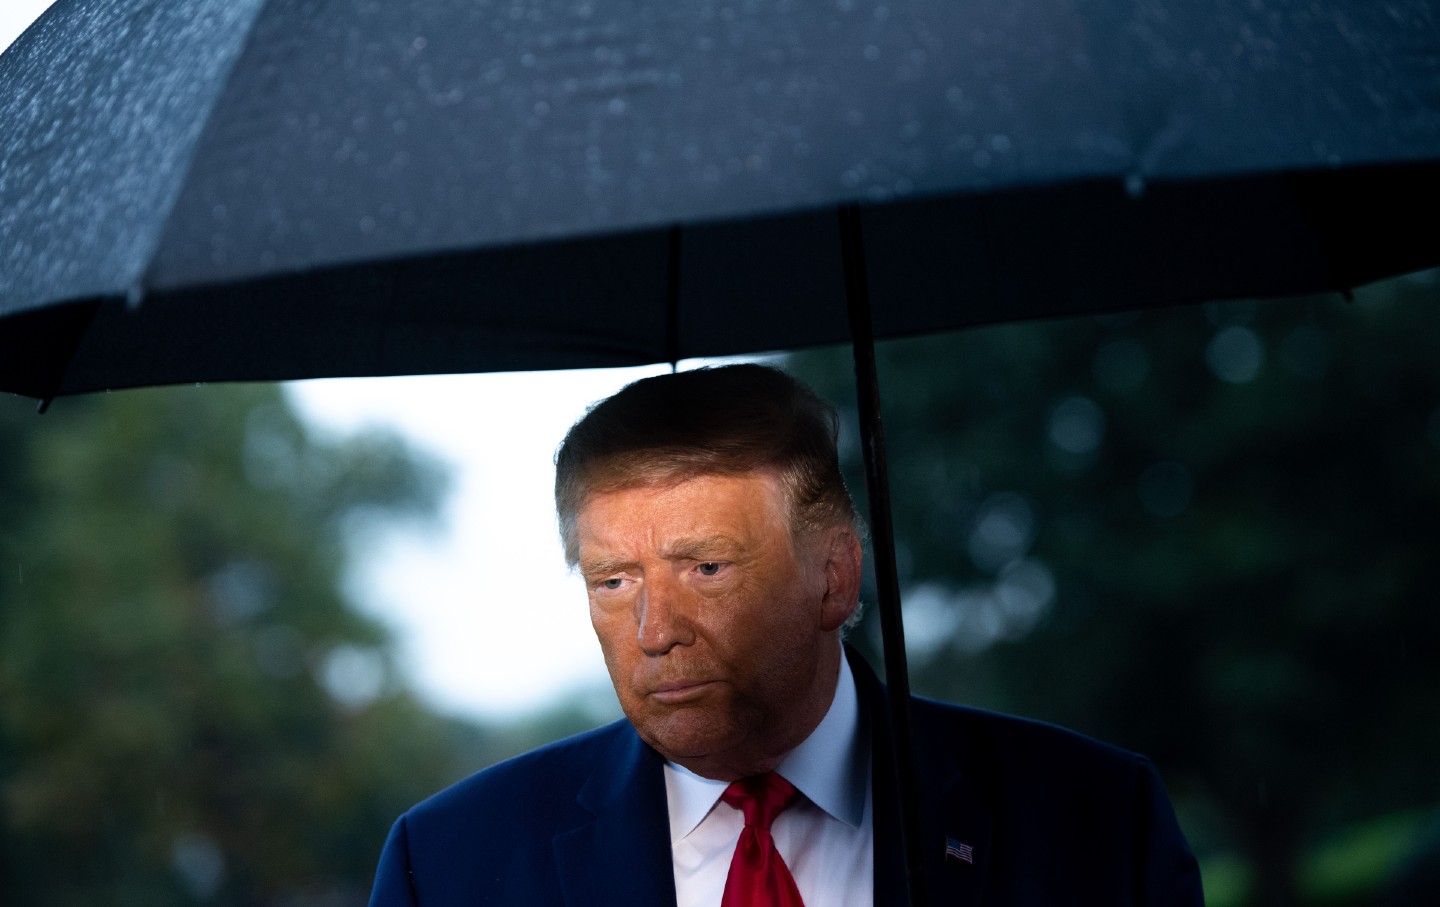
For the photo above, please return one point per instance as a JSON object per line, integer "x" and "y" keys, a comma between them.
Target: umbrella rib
{"x": 141, "y": 284}
{"x": 672, "y": 301}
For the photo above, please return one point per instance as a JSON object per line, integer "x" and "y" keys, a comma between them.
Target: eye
{"x": 708, "y": 568}
{"x": 613, "y": 582}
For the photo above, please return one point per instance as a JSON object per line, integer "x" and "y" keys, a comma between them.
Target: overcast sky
{"x": 489, "y": 619}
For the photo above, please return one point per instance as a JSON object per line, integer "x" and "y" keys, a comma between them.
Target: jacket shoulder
{"x": 1026, "y": 739}
{"x": 490, "y": 837}
{"x": 538, "y": 782}
{"x": 1040, "y": 769}
{"x": 1047, "y": 788}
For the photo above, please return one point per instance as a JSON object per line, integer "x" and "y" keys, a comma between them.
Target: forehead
{"x": 740, "y": 508}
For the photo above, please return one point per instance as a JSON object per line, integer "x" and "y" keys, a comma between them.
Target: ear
{"x": 843, "y": 557}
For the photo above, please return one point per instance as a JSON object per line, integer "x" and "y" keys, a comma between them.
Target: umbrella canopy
{"x": 206, "y": 190}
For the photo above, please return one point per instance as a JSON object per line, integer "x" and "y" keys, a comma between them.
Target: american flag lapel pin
{"x": 959, "y": 851}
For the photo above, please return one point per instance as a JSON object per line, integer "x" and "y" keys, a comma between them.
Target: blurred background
{"x": 1206, "y": 533}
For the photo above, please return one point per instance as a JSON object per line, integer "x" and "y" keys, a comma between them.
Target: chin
{"x": 684, "y": 738}
{"x": 722, "y": 752}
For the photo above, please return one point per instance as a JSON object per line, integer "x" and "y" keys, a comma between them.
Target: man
{"x": 719, "y": 547}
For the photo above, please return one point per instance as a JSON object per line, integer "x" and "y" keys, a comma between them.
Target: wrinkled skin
{"x": 720, "y": 629}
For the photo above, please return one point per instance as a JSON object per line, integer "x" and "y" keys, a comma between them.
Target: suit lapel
{"x": 622, "y": 856}
{"x": 957, "y": 841}
{"x": 953, "y": 808}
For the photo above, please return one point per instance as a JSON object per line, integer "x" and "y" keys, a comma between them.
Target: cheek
{"x": 609, "y": 610}
{"x": 778, "y": 631}
{"x": 610, "y": 629}
{"x": 612, "y": 639}
{"x": 618, "y": 635}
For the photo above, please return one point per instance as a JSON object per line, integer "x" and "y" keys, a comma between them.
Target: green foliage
{"x": 1349, "y": 868}
{"x": 1206, "y": 533}
{"x": 189, "y": 709}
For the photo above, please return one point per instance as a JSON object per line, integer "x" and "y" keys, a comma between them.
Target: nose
{"x": 663, "y": 618}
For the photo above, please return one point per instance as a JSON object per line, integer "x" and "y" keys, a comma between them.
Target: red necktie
{"x": 758, "y": 874}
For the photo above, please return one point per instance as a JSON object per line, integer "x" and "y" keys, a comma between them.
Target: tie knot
{"x": 760, "y": 797}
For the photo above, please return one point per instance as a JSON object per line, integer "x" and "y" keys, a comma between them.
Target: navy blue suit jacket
{"x": 1051, "y": 817}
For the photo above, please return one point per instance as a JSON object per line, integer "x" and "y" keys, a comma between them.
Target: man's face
{"x": 720, "y": 630}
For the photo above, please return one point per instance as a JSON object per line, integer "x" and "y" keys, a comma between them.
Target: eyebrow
{"x": 701, "y": 549}
{"x": 709, "y": 547}
{"x": 604, "y": 566}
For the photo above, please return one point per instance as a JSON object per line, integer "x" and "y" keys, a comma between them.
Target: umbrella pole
{"x": 882, "y": 534}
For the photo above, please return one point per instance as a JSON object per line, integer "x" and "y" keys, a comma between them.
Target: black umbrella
{"x": 211, "y": 190}
{"x": 207, "y": 190}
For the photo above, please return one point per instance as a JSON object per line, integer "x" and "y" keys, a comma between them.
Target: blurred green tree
{"x": 1206, "y": 533}
{"x": 190, "y": 710}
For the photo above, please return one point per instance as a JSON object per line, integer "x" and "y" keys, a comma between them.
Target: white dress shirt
{"x": 827, "y": 836}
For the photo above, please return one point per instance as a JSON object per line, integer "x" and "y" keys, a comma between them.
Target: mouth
{"x": 680, "y": 691}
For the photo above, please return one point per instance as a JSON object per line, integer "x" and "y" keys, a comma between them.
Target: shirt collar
{"x": 830, "y": 767}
